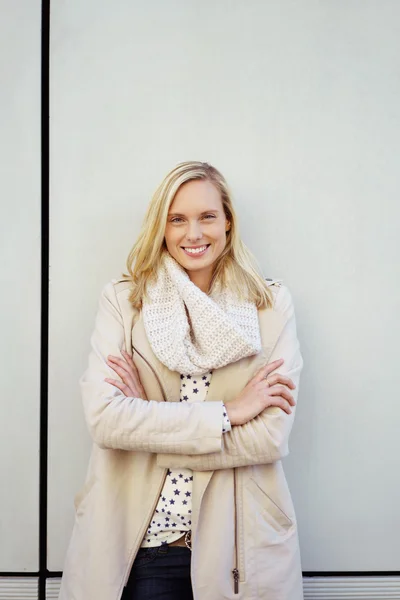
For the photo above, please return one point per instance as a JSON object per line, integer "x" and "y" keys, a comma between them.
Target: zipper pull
{"x": 236, "y": 580}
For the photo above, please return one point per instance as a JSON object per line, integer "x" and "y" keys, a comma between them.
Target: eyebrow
{"x": 205, "y": 212}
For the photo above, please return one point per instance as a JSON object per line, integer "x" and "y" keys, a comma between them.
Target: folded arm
{"x": 120, "y": 422}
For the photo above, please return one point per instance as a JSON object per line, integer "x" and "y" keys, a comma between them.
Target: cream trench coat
{"x": 243, "y": 516}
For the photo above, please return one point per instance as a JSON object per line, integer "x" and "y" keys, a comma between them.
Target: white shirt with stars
{"x": 173, "y": 514}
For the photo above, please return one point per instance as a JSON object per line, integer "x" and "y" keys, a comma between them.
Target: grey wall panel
{"x": 297, "y": 104}
{"x": 20, "y": 284}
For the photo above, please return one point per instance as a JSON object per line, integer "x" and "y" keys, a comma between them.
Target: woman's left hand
{"x": 126, "y": 369}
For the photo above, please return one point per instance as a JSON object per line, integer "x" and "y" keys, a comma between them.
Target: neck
{"x": 202, "y": 279}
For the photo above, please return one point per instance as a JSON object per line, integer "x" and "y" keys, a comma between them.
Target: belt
{"x": 184, "y": 542}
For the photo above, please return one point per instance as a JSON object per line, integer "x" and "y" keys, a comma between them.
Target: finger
{"x": 128, "y": 365}
{"x": 112, "y": 357}
{"x": 135, "y": 373}
{"x": 121, "y": 364}
{"x": 279, "y": 378}
{"x": 126, "y": 375}
{"x": 121, "y": 386}
{"x": 127, "y": 357}
{"x": 267, "y": 369}
{"x": 280, "y": 402}
{"x": 129, "y": 360}
{"x": 281, "y": 390}
{"x": 118, "y": 365}
{"x": 127, "y": 370}
{"x": 285, "y": 406}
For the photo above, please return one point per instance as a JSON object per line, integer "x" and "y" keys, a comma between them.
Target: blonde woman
{"x": 189, "y": 397}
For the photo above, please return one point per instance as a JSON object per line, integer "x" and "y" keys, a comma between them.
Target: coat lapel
{"x": 229, "y": 380}
{"x": 170, "y": 380}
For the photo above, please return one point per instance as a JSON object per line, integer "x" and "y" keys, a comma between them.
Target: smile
{"x": 199, "y": 251}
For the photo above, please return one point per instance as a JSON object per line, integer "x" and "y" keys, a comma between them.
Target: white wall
{"x": 20, "y": 286}
{"x": 297, "y": 104}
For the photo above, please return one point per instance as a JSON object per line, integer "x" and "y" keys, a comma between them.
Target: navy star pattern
{"x": 176, "y": 496}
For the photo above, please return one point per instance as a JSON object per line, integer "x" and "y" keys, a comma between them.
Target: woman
{"x": 189, "y": 398}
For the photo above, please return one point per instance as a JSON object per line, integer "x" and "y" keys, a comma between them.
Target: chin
{"x": 193, "y": 265}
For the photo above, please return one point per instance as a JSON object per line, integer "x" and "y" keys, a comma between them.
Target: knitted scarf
{"x": 191, "y": 332}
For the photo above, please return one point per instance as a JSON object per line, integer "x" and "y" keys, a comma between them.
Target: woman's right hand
{"x": 263, "y": 390}
{"x": 130, "y": 383}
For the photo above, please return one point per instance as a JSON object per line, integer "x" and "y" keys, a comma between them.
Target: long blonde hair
{"x": 235, "y": 265}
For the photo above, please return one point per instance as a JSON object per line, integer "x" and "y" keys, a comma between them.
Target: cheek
{"x": 220, "y": 236}
{"x": 169, "y": 237}
{"x": 173, "y": 240}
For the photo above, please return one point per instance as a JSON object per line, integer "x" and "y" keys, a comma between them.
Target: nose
{"x": 194, "y": 232}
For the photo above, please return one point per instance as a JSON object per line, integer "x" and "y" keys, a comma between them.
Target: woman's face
{"x": 195, "y": 234}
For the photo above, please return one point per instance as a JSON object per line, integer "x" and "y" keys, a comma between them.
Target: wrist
{"x": 230, "y": 411}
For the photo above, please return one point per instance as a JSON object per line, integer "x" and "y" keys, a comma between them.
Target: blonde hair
{"x": 236, "y": 265}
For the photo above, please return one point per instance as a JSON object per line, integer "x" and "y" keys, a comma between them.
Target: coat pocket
{"x": 273, "y": 513}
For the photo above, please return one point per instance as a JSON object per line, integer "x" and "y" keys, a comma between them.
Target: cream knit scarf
{"x": 191, "y": 332}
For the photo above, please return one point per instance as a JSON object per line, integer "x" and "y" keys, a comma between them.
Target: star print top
{"x": 172, "y": 517}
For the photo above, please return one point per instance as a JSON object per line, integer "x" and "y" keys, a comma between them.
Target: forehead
{"x": 197, "y": 195}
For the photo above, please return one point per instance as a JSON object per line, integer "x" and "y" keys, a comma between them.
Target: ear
{"x": 227, "y": 226}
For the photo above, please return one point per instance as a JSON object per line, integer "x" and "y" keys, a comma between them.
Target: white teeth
{"x": 196, "y": 250}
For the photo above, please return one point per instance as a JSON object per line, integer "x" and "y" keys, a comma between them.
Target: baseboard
{"x": 351, "y": 588}
{"x": 315, "y": 588}
{"x": 322, "y": 588}
{"x": 52, "y": 588}
{"x": 18, "y": 588}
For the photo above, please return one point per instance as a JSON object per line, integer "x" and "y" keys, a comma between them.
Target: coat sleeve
{"x": 264, "y": 439}
{"x": 120, "y": 422}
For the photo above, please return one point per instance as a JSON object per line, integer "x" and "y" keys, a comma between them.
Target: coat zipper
{"x": 235, "y": 570}
{"x": 154, "y": 506}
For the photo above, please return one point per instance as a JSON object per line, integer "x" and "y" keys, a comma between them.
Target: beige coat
{"x": 243, "y": 515}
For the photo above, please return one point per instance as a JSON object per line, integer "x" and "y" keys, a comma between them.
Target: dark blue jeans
{"x": 161, "y": 573}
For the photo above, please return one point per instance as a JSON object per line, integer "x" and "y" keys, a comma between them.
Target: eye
{"x": 209, "y": 216}
{"x": 176, "y": 220}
